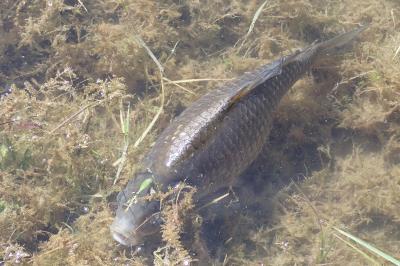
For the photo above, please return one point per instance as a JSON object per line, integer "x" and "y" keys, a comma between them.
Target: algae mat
{"x": 70, "y": 71}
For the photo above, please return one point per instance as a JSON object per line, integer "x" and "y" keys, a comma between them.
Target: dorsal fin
{"x": 258, "y": 77}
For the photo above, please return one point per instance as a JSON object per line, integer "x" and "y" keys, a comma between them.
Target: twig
{"x": 179, "y": 86}
{"x": 253, "y": 22}
{"x": 84, "y": 7}
{"x": 194, "y": 80}
{"x": 75, "y": 115}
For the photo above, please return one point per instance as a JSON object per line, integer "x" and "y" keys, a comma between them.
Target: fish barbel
{"x": 215, "y": 139}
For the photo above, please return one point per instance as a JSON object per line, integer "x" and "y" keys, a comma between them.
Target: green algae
{"x": 74, "y": 65}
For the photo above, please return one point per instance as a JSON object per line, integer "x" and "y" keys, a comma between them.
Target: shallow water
{"x": 332, "y": 159}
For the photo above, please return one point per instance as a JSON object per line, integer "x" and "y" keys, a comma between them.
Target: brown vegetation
{"x": 74, "y": 66}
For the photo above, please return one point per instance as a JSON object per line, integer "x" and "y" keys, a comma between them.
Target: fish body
{"x": 219, "y": 135}
{"x": 216, "y": 138}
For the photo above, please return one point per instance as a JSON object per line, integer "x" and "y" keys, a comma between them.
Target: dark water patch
{"x": 41, "y": 235}
{"x": 75, "y": 35}
{"x": 8, "y": 24}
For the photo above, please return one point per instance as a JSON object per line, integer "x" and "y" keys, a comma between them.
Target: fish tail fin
{"x": 338, "y": 42}
{"x": 318, "y": 50}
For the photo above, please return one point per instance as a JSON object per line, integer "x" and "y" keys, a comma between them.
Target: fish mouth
{"x": 122, "y": 238}
{"x": 128, "y": 235}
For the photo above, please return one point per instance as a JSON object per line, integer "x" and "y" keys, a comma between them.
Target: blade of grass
{"x": 127, "y": 121}
{"x": 369, "y": 247}
{"x": 145, "y": 184}
{"x": 365, "y": 255}
{"x": 160, "y": 109}
{"x": 124, "y": 120}
{"x": 149, "y": 52}
{"x": 214, "y": 201}
{"x": 172, "y": 51}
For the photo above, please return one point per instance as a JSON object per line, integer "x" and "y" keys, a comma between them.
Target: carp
{"x": 215, "y": 139}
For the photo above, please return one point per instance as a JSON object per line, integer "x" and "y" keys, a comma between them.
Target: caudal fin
{"x": 339, "y": 41}
{"x": 316, "y": 51}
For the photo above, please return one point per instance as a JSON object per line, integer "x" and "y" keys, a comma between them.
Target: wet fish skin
{"x": 217, "y": 137}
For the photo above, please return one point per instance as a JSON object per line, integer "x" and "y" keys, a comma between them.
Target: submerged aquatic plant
{"x": 367, "y": 246}
{"x": 70, "y": 64}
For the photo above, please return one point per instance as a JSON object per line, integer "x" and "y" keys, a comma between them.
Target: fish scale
{"x": 216, "y": 138}
{"x": 206, "y": 154}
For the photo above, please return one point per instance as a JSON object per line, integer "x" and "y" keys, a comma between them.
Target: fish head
{"x": 135, "y": 217}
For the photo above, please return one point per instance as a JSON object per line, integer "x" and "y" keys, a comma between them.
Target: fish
{"x": 214, "y": 139}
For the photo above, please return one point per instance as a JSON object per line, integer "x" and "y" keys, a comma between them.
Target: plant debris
{"x": 68, "y": 68}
